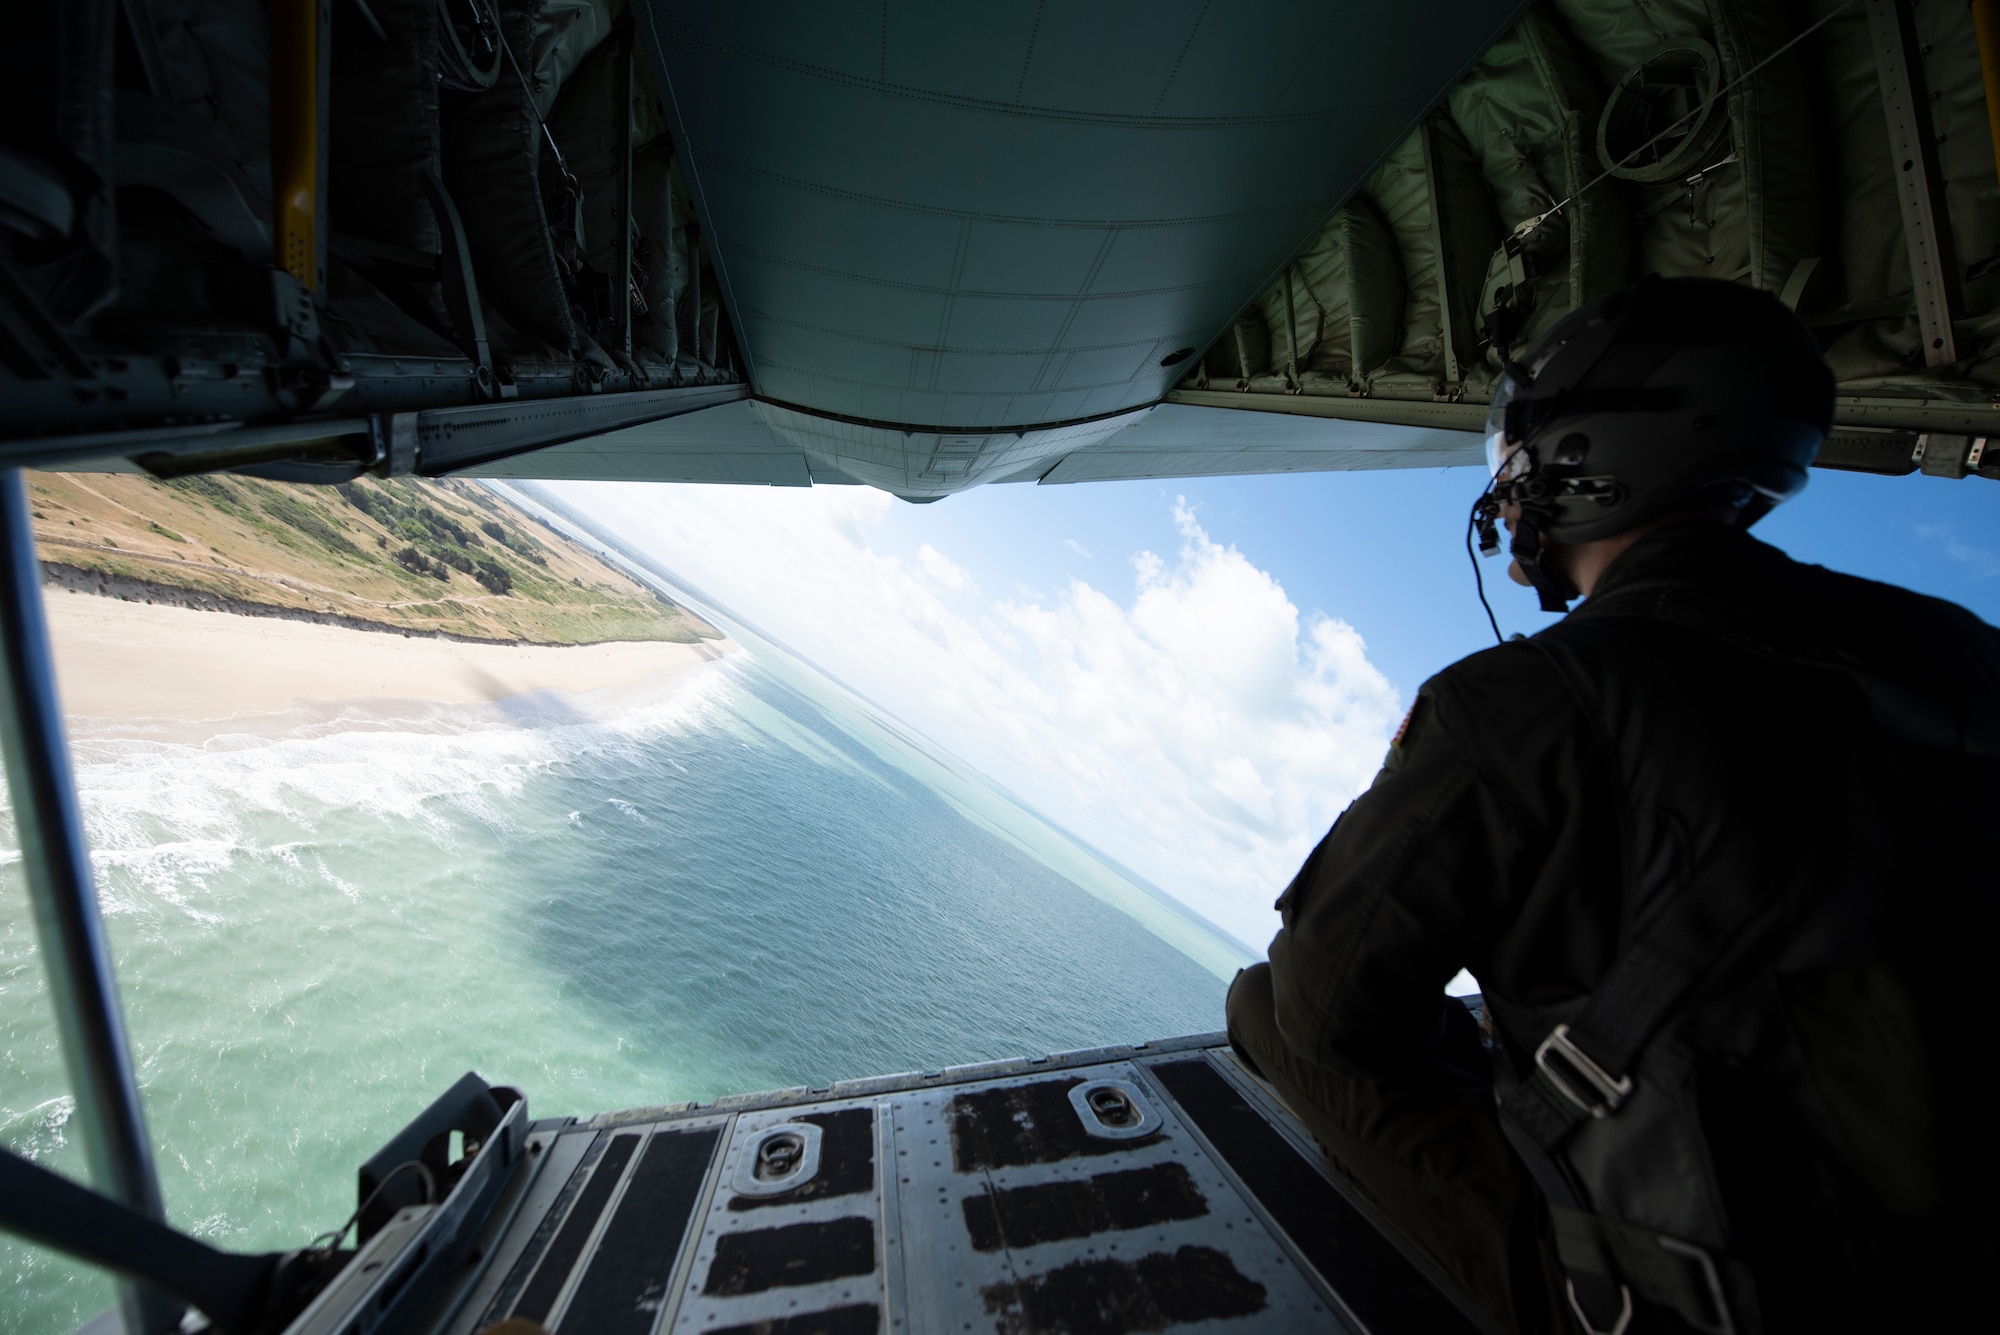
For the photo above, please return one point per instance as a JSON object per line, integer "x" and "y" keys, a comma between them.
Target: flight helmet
{"x": 1641, "y": 402}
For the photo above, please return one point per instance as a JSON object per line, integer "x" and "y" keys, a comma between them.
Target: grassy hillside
{"x": 415, "y": 555}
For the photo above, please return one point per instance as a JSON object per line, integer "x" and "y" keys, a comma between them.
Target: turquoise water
{"x": 746, "y": 880}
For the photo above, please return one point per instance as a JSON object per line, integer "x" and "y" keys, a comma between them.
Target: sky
{"x": 1196, "y": 676}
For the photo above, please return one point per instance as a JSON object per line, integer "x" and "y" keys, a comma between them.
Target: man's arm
{"x": 1415, "y": 880}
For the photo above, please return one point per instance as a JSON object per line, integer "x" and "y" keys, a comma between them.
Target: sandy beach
{"x": 118, "y": 660}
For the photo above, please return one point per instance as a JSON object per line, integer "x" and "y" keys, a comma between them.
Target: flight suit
{"x": 1789, "y": 776}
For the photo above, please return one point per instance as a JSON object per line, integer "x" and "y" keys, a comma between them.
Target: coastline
{"x": 443, "y": 559}
{"x": 130, "y": 589}
{"x": 176, "y": 661}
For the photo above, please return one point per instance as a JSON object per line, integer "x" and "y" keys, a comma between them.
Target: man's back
{"x": 1764, "y": 758}
{"x": 1719, "y": 848}
{"x": 1783, "y": 758}
{"x": 1757, "y": 713}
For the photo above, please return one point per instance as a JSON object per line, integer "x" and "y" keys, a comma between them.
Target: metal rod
{"x": 694, "y": 289}
{"x": 1986, "y": 30}
{"x": 623, "y": 200}
{"x": 56, "y": 866}
{"x": 1452, "y": 374}
{"x": 1919, "y": 183}
{"x": 668, "y": 257}
{"x": 299, "y": 70}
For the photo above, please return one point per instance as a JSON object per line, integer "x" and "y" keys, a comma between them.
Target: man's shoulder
{"x": 1514, "y": 659}
{"x": 1731, "y": 582}
{"x": 1863, "y": 602}
{"x": 1887, "y": 631}
{"x": 1495, "y": 687}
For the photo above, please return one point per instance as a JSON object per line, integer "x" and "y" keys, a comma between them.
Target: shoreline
{"x": 130, "y": 589}
{"x": 192, "y": 663}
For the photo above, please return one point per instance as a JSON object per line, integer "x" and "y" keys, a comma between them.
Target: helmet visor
{"x": 1498, "y": 452}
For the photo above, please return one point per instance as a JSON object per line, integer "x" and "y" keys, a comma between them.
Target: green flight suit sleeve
{"x": 1413, "y": 882}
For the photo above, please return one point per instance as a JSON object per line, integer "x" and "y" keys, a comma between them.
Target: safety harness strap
{"x": 1602, "y": 1302}
{"x": 1582, "y": 1070}
{"x": 1582, "y": 1067}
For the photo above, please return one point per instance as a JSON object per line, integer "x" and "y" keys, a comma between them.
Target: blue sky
{"x": 1384, "y": 551}
{"x": 1196, "y": 676}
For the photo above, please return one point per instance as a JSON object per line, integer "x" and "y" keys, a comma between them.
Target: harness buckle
{"x": 1611, "y": 1090}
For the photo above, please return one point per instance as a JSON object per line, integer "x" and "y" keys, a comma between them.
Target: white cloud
{"x": 943, "y": 571}
{"x": 1983, "y": 563}
{"x": 1191, "y": 724}
{"x": 1078, "y": 548}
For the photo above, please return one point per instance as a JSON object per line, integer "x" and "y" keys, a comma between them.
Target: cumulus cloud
{"x": 942, "y": 570}
{"x": 1191, "y": 723}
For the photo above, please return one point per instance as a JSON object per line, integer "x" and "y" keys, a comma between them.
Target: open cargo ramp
{"x": 1148, "y": 1188}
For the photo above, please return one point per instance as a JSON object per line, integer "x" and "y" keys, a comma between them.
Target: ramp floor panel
{"x": 1128, "y": 1189}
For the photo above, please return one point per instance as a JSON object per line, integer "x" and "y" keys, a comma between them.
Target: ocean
{"x": 749, "y": 879}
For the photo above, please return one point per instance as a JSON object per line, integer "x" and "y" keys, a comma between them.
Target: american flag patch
{"x": 1403, "y": 727}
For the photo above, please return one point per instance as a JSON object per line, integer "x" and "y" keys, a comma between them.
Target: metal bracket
{"x": 1940, "y": 454}
{"x": 396, "y": 439}
{"x": 1919, "y": 182}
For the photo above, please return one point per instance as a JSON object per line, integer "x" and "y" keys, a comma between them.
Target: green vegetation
{"x": 283, "y": 508}
{"x": 438, "y": 543}
{"x": 419, "y": 555}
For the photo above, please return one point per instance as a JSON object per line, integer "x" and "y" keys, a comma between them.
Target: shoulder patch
{"x": 1403, "y": 729}
{"x": 1405, "y": 737}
